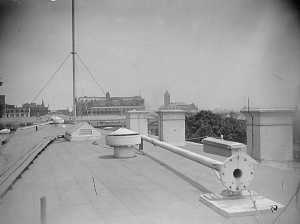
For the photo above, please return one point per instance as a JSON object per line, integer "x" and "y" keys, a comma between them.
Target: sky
{"x": 213, "y": 53}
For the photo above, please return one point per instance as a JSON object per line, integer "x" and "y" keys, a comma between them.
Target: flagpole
{"x": 73, "y": 54}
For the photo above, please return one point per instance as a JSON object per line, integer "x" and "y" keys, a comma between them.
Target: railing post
{"x": 43, "y": 201}
{"x": 141, "y": 146}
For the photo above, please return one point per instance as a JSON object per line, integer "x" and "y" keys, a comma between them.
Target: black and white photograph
{"x": 149, "y": 111}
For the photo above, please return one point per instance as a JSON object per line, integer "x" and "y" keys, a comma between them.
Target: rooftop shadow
{"x": 112, "y": 157}
{"x": 181, "y": 175}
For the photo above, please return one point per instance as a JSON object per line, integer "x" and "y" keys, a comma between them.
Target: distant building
{"x": 2, "y": 105}
{"x": 167, "y": 99}
{"x": 229, "y": 113}
{"x": 108, "y": 105}
{"x": 36, "y": 110}
{"x": 63, "y": 111}
{"x": 2, "y": 99}
{"x": 153, "y": 126}
{"x": 176, "y": 105}
{"x": 13, "y": 111}
{"x": 181, "y": 106}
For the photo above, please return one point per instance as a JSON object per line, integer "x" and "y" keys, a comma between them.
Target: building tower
{"x": 166, "y": 99}
{"x": 107, "y": 96}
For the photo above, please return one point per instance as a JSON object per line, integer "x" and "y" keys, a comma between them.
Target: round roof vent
{"x": 122, "y": 137}
{"x": 123, "y": 141}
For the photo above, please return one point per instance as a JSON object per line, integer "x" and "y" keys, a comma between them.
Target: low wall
{"x": 221, "y": 147}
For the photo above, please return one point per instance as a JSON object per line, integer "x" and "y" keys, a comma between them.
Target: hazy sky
{"x": 213, "y": 53}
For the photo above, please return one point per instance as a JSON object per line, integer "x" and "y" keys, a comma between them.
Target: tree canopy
{"x": 207, "y": 123}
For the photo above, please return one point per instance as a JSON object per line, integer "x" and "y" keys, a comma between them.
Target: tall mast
{"x": 73, "y": 54}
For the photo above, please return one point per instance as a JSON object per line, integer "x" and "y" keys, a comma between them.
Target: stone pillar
{"x": 270, "y": 134}
{"x": 137, "y": 121}
{"x": 171, "y": 126}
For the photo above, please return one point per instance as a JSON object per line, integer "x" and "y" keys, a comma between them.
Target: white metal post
{"x": 43, "y": 201}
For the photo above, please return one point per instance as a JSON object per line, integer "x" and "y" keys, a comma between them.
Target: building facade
{"x": 108, "y": 105}
{"x": 168, "y": 105}
{"x": 62, "y": 111}
{"x": 36, "y": 110}
{"x": 13, "y": 111}
{"x": 2, "y": 105}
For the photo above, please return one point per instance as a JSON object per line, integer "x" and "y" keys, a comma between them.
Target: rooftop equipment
{"x": 53, "y": 120}
{"x": 222, "y": 147}
{"x": 123, "y": 141}
{"x": 37, "y": 125}
{"x": 5, "y": 131}
{"x": 235, "y": 173}
{"x": 82, "y": 131}
{"x": 57, "y": 120}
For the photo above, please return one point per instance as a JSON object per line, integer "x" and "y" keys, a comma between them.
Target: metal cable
{"x": 51, "y": 78}
{"x": 294, "y": 195}
{"x": 254, "y": 205}
{"x": 90, "y": 73}
{"x": 47, "y": 82}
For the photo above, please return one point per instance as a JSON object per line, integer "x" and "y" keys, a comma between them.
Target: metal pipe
{"x": 43, "y": 201}
{"x": 236, "y": 172}
{"x": 211, "y": 163}
{"x": 50, "y": 122}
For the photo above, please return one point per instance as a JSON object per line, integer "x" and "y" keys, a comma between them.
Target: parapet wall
{"x": 137, "y": 121}
{"x": 171, "y": 126}
{"x": 270, "y": 134}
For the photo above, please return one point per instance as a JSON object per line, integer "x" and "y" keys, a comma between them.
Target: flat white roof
{"x": 84, "y": 183}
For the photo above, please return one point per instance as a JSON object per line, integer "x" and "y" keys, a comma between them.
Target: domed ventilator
{"x": 123, "y": 141}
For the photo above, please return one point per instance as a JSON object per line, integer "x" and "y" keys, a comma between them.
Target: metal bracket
{"x": 218, "y": 175}
{"x": 236, "y": 173}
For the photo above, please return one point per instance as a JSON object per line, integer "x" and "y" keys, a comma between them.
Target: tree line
{"x": 207, "y": 123}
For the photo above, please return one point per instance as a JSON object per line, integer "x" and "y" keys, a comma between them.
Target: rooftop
{"x": 84, "y": 183}
{"x": 46, "y": 117}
